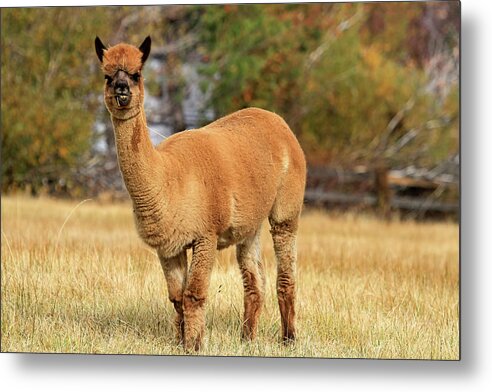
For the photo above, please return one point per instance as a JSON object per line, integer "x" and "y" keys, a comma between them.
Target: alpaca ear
{"x": 145, "y": 49}
{"x": 100, "y": 48}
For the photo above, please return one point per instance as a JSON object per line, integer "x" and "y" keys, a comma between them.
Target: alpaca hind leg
{"x": 284, "y": 242}
{"x": 175, "y": 273}
{"x": 195, "y": 293}
{"x": 248, "y": 257}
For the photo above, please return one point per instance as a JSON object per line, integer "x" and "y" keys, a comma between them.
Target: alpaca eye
{"x": 108, "y": 78}
{"x": 135, "y": 77}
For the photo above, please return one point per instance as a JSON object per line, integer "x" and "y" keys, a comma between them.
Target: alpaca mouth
{"x": 122, "y": 100}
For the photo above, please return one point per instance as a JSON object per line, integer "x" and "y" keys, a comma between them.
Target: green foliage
{"x": 240, "y": 41}
{"x": 335, "y": 72}
{"x": 48, "y": 85}
{"x": 338, "y": 73}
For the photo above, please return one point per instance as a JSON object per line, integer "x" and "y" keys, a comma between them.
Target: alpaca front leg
{"x": 175, "y": 273}
{"x": 248, "y": 257}
{"x": 196, "y": 290}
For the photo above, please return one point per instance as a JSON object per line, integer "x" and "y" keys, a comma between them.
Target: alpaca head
{"x": 122, "y": 66}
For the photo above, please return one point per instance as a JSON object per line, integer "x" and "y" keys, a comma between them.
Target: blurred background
{"x": 371, "y": 90}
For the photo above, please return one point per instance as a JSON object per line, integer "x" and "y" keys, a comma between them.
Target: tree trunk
{"x": 382, "y": 190}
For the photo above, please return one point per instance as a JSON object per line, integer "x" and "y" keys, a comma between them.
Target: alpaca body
{"x": 208, "y": 189}
{"x": 221, "y": 180}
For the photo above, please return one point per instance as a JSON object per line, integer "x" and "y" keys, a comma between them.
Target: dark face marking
{"x": 121, "y": 83}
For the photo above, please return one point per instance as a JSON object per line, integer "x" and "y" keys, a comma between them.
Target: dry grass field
{"x": 366, "y": 288}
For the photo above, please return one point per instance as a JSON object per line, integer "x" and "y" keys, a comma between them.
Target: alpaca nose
{"x": 121, "y": 87}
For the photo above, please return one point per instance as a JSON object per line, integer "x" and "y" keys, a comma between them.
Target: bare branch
{"x": 330, "y": 37}
{"x": 392, "y": 125}
{"x": 178, "y": 45}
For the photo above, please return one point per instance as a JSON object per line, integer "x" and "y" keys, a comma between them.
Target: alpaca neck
{"x": 139, "y": 161}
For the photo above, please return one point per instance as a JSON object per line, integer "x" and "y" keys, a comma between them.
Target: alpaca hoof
{"x": 193, "y": 343}
{"x": 289, "y": 339}
{"x": 248, "y": 335}
{"x": 193, "y": 346}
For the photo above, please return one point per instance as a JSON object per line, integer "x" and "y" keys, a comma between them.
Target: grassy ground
{"x": 366, "y": 289}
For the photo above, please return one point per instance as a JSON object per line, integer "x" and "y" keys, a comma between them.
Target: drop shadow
{"x": 469, "y": 208}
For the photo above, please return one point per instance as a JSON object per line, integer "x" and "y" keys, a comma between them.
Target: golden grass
{"x": 366, "y": 288}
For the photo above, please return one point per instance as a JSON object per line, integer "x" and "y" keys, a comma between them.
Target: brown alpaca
{"x": 208, "y": 189}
